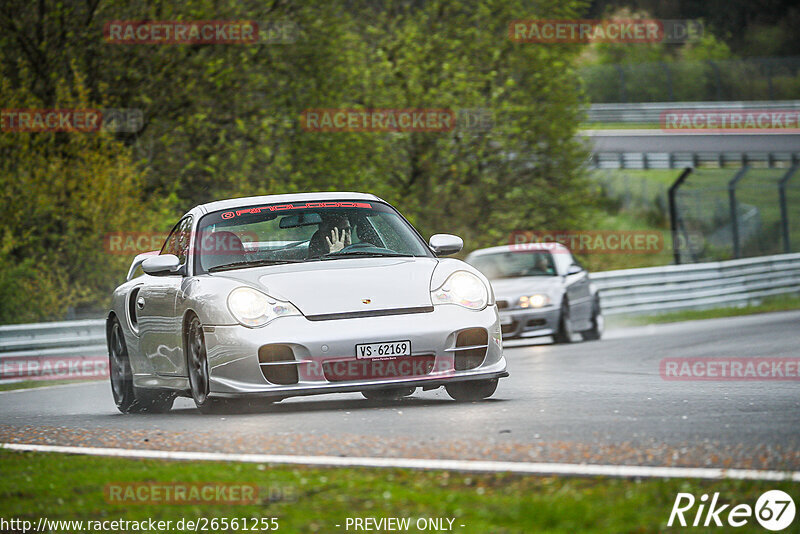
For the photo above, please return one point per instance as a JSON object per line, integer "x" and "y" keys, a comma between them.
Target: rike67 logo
{"x": 774, "y": 510}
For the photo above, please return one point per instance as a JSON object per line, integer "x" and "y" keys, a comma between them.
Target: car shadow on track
{"x": 337, "y": 405}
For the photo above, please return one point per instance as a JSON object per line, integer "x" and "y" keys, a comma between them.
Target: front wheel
{"x": 471, "y": 390}
{"x": 197, "y": 363}
{"x": 596, "y": 331}
{"x": 564, "y": 334}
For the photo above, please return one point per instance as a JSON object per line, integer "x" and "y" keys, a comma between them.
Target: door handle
{"x": 140, "y": 303}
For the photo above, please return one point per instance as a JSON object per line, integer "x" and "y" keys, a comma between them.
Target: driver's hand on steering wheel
{"x": 337, "y": 241}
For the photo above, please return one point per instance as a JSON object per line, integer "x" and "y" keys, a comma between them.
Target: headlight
{"x": 464, "y": 289}
{"x": 534, "y": 301}
{"x": 254, "y": 308}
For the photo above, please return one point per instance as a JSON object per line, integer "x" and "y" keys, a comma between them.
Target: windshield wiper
{"x": 364, "y": 254}
{"x": 252, "y": 263}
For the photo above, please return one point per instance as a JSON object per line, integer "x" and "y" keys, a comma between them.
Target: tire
{"x": 471, "y": 390}
{"x": 127, "y": 397}
{"x": 197, "y": 366}
{"x": 388, "y": 394}
{"x": 564, "y": 334}
{"x": 596, "y": 332}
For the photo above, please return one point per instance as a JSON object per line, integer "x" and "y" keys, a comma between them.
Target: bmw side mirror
{"x": 163, "y": 265}
{"x": 445, "y": 244}
{"x": 574, "y": 269}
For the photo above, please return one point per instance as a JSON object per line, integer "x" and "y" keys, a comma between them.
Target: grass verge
{"x": 27, "y": 384}
{"x": 769, "y": 304}
{"x": 64, "y": 487}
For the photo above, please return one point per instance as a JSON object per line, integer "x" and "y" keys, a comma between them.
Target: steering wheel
{"x": 358, "y": 246}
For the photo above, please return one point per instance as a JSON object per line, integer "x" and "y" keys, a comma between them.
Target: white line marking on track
{"x": 624, "y": 471}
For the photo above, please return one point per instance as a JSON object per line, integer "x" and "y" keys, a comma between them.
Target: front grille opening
{"x": 502, "y": 304}
{"x": 471, "y": 358}
{"x": 278, "y": 374}
{"x": 402, "y": 367}
{"x": 508, "y": 328}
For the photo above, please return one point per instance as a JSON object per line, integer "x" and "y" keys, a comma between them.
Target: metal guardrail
{"x": 650, "y": 112}
{"x": 723, "y": 155}
{"x": 681, "y": 160}
{"x": 77, "y": 349}
{"x": 697, "y": 286}
{"x": 52, "y": 351}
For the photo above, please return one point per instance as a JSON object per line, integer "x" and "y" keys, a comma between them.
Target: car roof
{"x": 547, "y": 246}
{"x": 290, "y": 197}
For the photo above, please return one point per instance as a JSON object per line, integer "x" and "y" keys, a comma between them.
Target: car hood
{"x": 345, "y": 285}
{"x": 511, "y": 289}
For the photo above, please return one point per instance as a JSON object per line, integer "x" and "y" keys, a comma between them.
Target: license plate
{"x": 385, "y": 349}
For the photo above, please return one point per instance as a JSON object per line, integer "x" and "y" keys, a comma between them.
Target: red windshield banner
{"x": 286, "y": 207}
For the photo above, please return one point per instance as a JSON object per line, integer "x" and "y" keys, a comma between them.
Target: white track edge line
{"x": 624, "y": 471}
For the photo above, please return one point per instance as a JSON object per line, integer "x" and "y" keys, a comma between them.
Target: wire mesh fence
{"x": 721, "y": 214}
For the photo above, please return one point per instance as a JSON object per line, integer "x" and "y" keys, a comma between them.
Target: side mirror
{"x": 163, "y": 265}
{"x": 445, "y": 244}
{"x": 137, "y": 262}
{"x": 574, "y": 269}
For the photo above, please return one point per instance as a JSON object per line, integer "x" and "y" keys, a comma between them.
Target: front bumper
{"x": 530, "y": 322}
{"x": 319, "y": 347}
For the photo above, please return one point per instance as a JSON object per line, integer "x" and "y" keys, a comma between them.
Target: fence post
{"x": 717, "y": 79}
{"x": 668, "y": 73}
{"x": 737, "y": 248}
{"x": 673, "y": 212}
{"x": 769, "y": 80}
{"x": 787, "y": 244}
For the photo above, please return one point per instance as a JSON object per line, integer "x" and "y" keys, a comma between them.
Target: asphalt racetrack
{"x": 588, "y": 402}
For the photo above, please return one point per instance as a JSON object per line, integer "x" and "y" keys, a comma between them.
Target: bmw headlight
{"x": 534, "y": 301}
{"x": 464, "y": 289}
{"x": 254, "y": 308}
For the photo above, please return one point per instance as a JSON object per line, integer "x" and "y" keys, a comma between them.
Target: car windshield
{"x": 301, "y": 232}
{"x": 515, "y": 264}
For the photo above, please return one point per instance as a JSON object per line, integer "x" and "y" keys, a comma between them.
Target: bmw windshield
{"x": 315, "y": 231}
{"x": 515, "y": 264}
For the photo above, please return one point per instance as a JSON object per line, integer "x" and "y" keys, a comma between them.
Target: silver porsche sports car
{"x": 261, "y": 298}
{"x": 541, "y": 290}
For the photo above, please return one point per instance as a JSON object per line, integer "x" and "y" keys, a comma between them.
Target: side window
{"x": 179, "y": 239}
